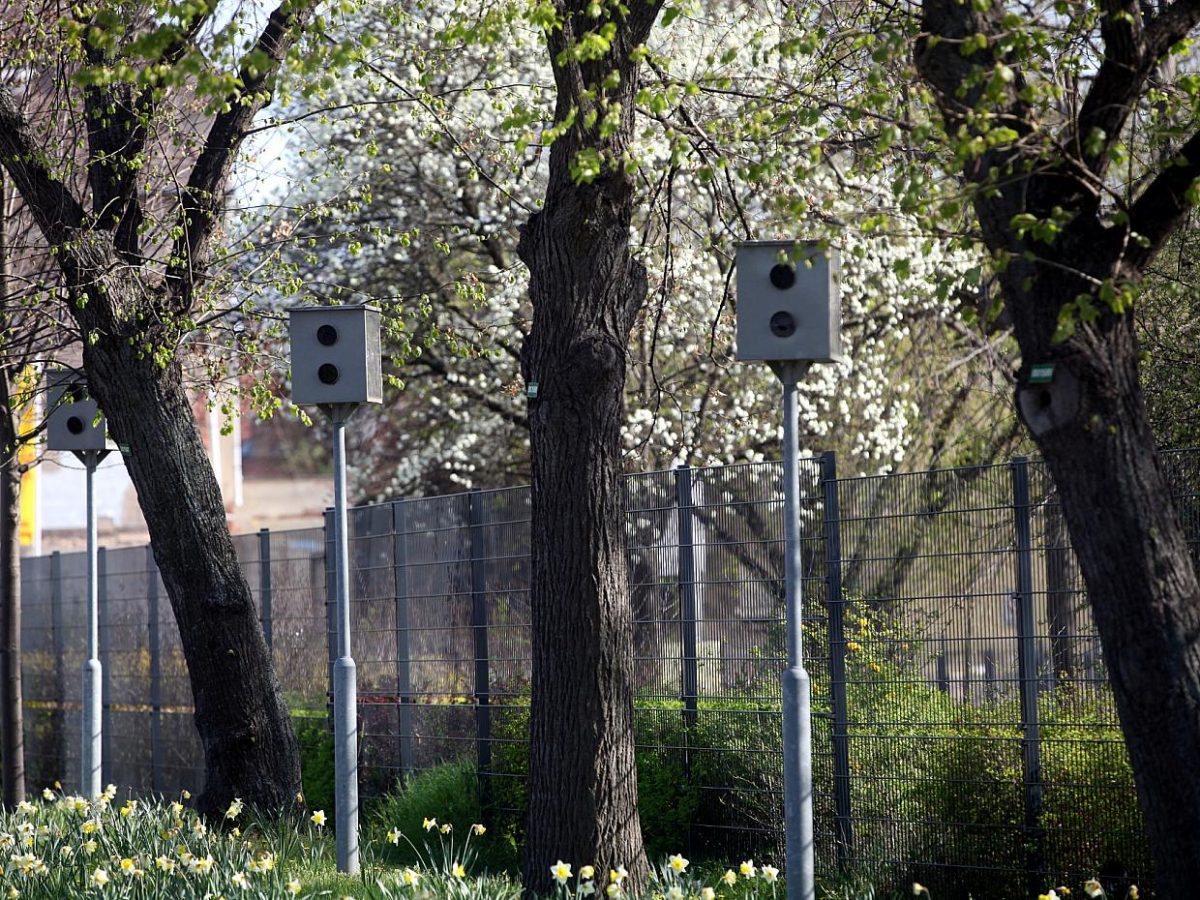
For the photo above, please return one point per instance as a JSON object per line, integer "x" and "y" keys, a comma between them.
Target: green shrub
{"x": 448, "y": 793}
{"x": 316, "y": 762}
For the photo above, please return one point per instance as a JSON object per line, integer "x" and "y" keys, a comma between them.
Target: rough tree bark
{"x": 1090, "y": 422}
{"x": 127, "y": 313}
{"x": 586, "y": 290}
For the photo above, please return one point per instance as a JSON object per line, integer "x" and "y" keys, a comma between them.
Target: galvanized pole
{"x": 345, "y": 686}
{"x": 797, "y": 690}
{"x": 93, "y": 736}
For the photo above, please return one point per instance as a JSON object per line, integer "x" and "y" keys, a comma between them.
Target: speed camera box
{"x": 335, "y": 355}
{"x": 72, "y": 419}
{"x": 788, "y": 305}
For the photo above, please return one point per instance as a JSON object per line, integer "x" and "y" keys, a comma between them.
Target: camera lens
{"x": 328, "y": 373}
{"x": 75, "y": 425}
{"x": 327, "y": 335}
{"x": 783, "y": 275}
{"x": 783, "y": 324}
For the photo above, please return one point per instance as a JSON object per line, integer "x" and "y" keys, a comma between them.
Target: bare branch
{"x": 204, "y": 192}
{"x": 57, "y": 213}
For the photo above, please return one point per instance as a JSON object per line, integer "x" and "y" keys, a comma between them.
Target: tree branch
{"x": 57, "y": 213}
{"x": 201, "y": 200}
{"x": 1131, "y": 53}
{"x": 1161, "y": 207}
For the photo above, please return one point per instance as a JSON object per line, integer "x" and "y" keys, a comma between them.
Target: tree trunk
{"x": 1060, "y": 600}
{"x": 586, "y": 289}
{"x": 250, "y": 750}
{"x": 582, "y": 773}
{"x": 12, "y": 727}
{"x": 1141, "y": 583}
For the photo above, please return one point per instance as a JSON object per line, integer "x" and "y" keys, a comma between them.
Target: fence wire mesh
{"x": 964, "y": 735}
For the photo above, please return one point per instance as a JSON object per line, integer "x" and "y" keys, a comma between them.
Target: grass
{"x": 63, "y": 846}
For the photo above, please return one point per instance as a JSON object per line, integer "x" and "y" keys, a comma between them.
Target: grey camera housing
{"x": 72, "y": 421}
{"x": 335, "y": 355}
{"x": 788, "y": 303}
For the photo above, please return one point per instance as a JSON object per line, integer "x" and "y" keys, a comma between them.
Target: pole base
{"x": 345, "y": 763}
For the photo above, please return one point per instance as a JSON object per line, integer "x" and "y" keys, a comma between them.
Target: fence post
{"x": 404, "y": 694}
{"x": 479, "y": 625}
{"x": 687, "y": 594}
{"x": 58, "y": 728}
{"x": 105, "y": 651}
{"x": 330, "y": 613}
{"x": 1027, "y": 669}
{"x": 264, "y": 585}
{"x": 156, "y": 742}
{"x": 835, "y": 616}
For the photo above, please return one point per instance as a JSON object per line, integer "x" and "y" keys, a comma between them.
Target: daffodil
{"x": 318, "y": 817}
{"x": 240, "y": 879}
{"x": 677, "y": 863}
{"x": 165, "y": 864}
{"x": 26, "y": 808}
{"x": 100, "y": 877}
{"x": 587, "y": 872}
{"x": 393, "y": 836}
{"x": 429, "y": 824}
{"x": 561, "y": 871}
{"x": 730, "y": 877}
{"x": 618, "y": 875}
{"x": 770, "y": 874}
{"x": 458, "y": 871}
{"x": 293, "y": 887}
{"x": 410, "y": 877}
{"x": 708, "y": 894}
{"x": 128, "y": 865}
{"x": 235, "y": 809}
{"x": 747, "y": 869}
{"x": 674, "y": 892}
{"x": 478, "y": 829}
{"x": 447, "y": 828}
{"x": 1133, "y": 892}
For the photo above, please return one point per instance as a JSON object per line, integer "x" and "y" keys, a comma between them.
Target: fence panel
{"x": 964, "y": 733}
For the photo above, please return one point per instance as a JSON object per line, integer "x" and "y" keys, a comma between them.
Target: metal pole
{"x": 91, "y": 753}
{"x": 797, "y": 690}
{"x": 345, "y": 688}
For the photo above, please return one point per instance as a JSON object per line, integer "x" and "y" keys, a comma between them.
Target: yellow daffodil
{"x": 674, "y": 892}
{"x": 747, "y": 869}
{"x": 293, "y": 887}
{"x": 618, "y": 875}
{"x": 89, "y": 847}
{"x": 235, "y": 809}
{"x": 165, "y": 864}
{"x": 429, "y": 824}
{"x": 561, "y": 871}
{"x": 410, "y": 877}
{"x": 458, "y": 871}
{"x": 478, "y": 829}
{"x": 730, "y": 877}
{"x": 1133, "y": 892}
{"x": 447, "y": 828}
{"x": 318, "y": 818}
{"x": 26, "y": 808}
{"x": 393, "y": 836}
{"x": 708, "y": 894}
{"x": 677, "y": 862}
{"x": 1092, "y": 888}
{"x": 198, "y": 828}
{"x": 240, "y": 879}
{"x": 128, "y": 865}
{"x": 613, "y": 890}
{"x": 100, "y": 878}
{"x": 587, "y": 872}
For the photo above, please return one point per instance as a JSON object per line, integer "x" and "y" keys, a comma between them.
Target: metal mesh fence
{"x": 964, "y": 735}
